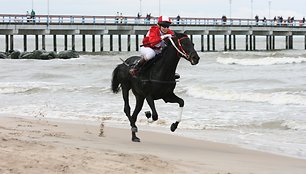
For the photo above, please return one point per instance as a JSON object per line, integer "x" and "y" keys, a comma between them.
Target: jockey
{"x": 153, "y": 42}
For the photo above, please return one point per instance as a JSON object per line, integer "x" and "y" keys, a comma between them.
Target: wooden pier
{"x": 99, "y": 26}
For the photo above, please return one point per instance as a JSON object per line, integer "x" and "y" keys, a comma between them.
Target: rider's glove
{"x": 165, "y": 36}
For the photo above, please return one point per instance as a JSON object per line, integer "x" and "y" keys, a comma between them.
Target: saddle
{"x": 150, "y": 63}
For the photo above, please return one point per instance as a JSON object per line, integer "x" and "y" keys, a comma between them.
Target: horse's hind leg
{"x": 151, "y": 103}
{"x": 127, "y": 108}
{"x": 138, "y": 107}
{"x": 175, "y": 99}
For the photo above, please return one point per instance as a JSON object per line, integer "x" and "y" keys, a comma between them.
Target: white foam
{"x": 261, "y": 61}
{"x": 280, "y": 98}
{"x": 19, "y": 87}
{"x": 295, "y": 124}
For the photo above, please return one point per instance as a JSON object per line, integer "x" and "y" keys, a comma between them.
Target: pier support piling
{"x": 25, "y": 47}
{"x": 36, "y": 42}
{"x": 73, "y": 42}
{"x": 66, "y": 42}
{"x": 111, "y": 42}
{"x": 251, "y": 42}
{"x": 101, "y": 43}
{"x": 93, "y": 43}
{"x": 119, "y": 42}
{"x": 287, "y": 42}
{"x": 246, "y": 43}
{"x": 234, "y": 40}
{"x": 84, "y": 43}
{"x": 137, "y": 42}
{"x": 270, "y": 42}
{"x": 254, "y": 42}
{"x": 225, "y": 42}
{"x": 230, "y": 42}
{"x": 208, "y": 43}
{"x": 267, "y": 43}
{"x": 128, "y": 42}
{"x": 202, "y": 43}
{"x": 43, "y": 42}
{"x": 6, "y": 43}
{"x": 305, "y": 41}
{"x": 290, "y": 42}
{"x": 213, "y": 43}
{"x": 11, "y": 42}
{"x": 54, "y": 43}
{"x": 273, "y": 42}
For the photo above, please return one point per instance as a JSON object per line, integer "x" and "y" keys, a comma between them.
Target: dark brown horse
{"x": 155, "y": 81}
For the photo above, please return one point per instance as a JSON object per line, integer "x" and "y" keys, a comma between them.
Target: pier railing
{"x": 130, "y": 20}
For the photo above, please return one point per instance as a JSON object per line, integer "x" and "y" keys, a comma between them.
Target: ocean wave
{"x": 44, "y": 87}
{"x": 260, "y": 126}
{"x": 295, "y": 125}
{"x": 261, "y": 61}
{"x": 277, "y": 98}
{"x": 16, "y": 87}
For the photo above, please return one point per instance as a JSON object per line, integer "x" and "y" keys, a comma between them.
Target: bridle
{"x": 180, "y": 49}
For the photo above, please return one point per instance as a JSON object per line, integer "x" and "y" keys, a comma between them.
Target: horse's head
{"x": 185, "y": 48}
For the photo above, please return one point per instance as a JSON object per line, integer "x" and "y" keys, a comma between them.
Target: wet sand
{"x": 49, "y": 146}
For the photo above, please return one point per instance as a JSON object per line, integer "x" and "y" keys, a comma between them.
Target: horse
{"x": 156, "y": 80}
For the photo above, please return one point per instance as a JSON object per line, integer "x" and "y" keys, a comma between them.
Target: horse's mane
{"x": 180, "y": 35}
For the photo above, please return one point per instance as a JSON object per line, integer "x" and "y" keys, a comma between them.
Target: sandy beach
{"x": 48, "y": 146}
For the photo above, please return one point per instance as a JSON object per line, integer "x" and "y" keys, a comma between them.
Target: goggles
{"x": 164, "y": 25}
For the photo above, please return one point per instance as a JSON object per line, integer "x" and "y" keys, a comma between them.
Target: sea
{"x": 252, "y": 99}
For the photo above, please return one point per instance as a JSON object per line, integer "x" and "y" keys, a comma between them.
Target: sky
{"x": 171, "y": 8}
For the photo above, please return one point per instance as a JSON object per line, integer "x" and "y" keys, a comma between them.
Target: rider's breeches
{"x": 148, "y": 53}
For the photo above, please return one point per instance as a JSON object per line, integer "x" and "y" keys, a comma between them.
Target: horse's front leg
{"x": 138, "y": 107}
{"x": 175, "y": 99}
{"x": 151, "y": 103}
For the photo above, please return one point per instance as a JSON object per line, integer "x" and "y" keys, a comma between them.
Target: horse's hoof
{"x": 148, "y": 114}
{"x": 154, "y": 117}
{"x": 136, "y": 139}
{"x": 173, "y": 126}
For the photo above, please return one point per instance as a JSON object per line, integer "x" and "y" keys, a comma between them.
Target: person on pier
{"x": 153, "y": 42}
{"x": 33, "y": 15}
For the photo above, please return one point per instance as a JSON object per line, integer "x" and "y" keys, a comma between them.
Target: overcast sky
{"x": 186, "y": 8}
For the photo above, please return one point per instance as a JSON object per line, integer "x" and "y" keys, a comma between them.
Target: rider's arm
{"x": 154, "y": 36}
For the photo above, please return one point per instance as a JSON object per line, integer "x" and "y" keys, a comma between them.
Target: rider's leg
{"x": 134, "y": 70}
{"x": 147, "y": 53}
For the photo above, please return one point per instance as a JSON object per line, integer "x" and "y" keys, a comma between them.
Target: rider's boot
{"x": 134, "y": 70}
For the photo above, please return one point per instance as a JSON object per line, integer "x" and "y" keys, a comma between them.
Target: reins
{"x": 181, "y": 50}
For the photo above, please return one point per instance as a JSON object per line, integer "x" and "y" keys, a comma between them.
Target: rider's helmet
{"x": 164, "y": 21}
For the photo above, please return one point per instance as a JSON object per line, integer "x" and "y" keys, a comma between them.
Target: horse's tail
{"x": 115, "y": 81}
